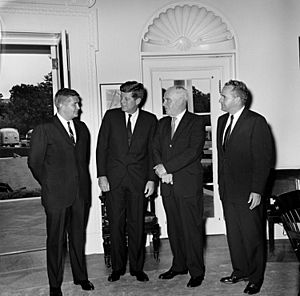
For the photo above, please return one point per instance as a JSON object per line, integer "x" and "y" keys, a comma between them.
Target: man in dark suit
{"x": 59, "y": 161}
{"x": 125, "y": 174}
{"x": 244, "y": 160}
{"x": 178, "y": 147}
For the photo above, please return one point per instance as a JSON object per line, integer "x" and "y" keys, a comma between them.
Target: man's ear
{"x": 237, "y": 98}
{"x": 138, "y": 101}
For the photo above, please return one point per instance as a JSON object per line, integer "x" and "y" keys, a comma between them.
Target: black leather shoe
{"x": 170, "y": 274}
{"x": 252, "y": 289}
{"x": 195, "y": 281}
{"x": 85, "y": 285}
{"x": 233, "y": 279}
{"x": 115, "y": 276}
{"x": 140, "y": 276}
{"x": 55, "y": 292}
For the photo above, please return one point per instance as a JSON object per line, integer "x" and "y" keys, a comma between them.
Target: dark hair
{"x": 136, "y": 88}
{"x": 63, "y": 94}
{"x": 239, "y": 89}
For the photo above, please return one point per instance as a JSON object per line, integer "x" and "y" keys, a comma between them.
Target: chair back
{"x": 288, "y": 205}
{"x": 288, "y": 201}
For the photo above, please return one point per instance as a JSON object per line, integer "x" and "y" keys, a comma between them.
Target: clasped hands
{"x": 161, "y": 172}
{"x": 105, "y": 187}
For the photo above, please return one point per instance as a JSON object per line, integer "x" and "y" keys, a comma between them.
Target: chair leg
{"x": 271, "y": 236}
{"x": 106, "y": 248}
{"x": 156, "y": 244}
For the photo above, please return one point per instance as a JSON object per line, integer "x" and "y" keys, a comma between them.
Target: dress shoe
{"x": 171, "y": 273}
{"x": 140, "y": 276}
{"x": 195, "y": 281}
{"x": 233, "y": 279}
{"x": 252, "y": 288}
{"x": 115, "y": 275}
{"x": 85, "y": 285}
{"x": 55, "y": 292}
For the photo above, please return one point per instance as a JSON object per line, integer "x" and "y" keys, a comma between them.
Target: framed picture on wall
{"x": 110, "y": 96}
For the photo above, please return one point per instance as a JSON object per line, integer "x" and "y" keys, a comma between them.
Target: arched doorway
{"x": 192, "y": 45}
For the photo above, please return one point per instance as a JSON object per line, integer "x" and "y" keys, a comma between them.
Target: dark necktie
{"x": 227, "y": 133}
{"x": 71, "y": 134}
{"x": 129, "y": 131}
{"x": 173, "y": 121}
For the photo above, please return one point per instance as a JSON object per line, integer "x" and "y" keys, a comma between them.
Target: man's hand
{"x": 103, "y": 183}
{"x": 254, "y": 199}
{"x": 149, "y": 188}
{"x": 160, "y": 170}
{"x": 167, "y": 178}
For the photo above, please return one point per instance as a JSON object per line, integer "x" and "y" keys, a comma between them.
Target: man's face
{"x": 128, "y": 103}
{"x": 227, "y": 100}
{"x": 69, "y": 108}
{"x": 172, "y": 103}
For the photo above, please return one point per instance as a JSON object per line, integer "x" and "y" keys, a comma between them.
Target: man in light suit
{"x": 125, "y": 174}
{"x": 178, "y": 148}
{"x": 59, "y": 161}
{"x": 244, "y": 161}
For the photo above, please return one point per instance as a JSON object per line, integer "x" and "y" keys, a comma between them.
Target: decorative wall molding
{"x": 82, "y": 3}
{"x": 185, "y": 28}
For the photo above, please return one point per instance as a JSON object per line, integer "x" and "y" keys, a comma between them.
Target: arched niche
{"x": 184, "y": 28}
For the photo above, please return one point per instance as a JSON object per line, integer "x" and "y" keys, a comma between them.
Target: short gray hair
{"x": 63, "y": 94}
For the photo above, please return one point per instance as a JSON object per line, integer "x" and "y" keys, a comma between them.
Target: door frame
{"x": 58, "y": 49}
{"x": 219, "y": 66}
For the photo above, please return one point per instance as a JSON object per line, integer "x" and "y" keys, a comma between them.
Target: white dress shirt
{"x": 133, "y": 119}
{"x": 65, "y": 124}
{"x": 236, "y": 116}
{"x": 178, "y": 119}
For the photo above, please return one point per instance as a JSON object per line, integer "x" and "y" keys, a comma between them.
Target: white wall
{"x": 266, "y": 30}
{"x": 80, "y": 24}
{"x": 267, "y": 49}
{"x": 267, "y": 38}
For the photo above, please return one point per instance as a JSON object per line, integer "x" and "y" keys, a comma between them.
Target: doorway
{"x": 32, "y": 70}
{"x": 202, "y": 76}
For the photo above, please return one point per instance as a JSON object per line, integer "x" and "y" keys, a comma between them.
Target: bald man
{"x": 178, "y": 146}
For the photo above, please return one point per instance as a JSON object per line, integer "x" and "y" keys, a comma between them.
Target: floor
{"x": 25, "y": 274}
{"x": 23, "y": 226}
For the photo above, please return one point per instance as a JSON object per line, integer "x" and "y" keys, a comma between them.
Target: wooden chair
{"x": 280, "y": 181}
{"x": 289, "y": 206}
{"x": 151, "y": 226}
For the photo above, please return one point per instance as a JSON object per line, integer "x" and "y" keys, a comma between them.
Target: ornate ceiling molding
{"x": 187, "y": 28}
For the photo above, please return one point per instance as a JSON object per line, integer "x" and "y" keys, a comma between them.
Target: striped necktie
{"x": 71, "y": 134}
{"x": 173, "y": 122}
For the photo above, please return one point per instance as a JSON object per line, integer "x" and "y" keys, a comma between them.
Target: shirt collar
{"x": 179, "y": 116}
{"x": 62, "y": 120}
{"x": 237, "y": 114}
{"x": 133, "y": 115}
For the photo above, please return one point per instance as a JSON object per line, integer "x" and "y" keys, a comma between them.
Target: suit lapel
{"x": 138, "y": 129}
{"x": 62, "y": 130}
{"x": 239, "y": 123}
{"x": 181, "y": 126}
{"x": 121, "y": 125}
{"x": 77, "y": 130}
{"x": 222, "y": 128}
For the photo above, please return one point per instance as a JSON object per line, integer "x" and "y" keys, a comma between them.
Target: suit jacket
{"x": 61, "y": 168}
{"x": 245, "y": 165}
{"x": 181, "y": 155}
{"x": 115, "y": 159}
